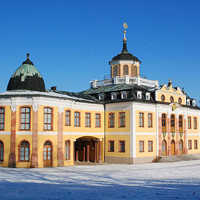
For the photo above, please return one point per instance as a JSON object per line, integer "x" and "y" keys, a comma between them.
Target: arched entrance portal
{"x": 47, "y": 154}
{"x": 172, "y": 147}
{"x": 164, "y": 148}
{"x": 87, "y": 149}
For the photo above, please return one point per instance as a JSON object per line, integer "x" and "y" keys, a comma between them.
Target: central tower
{"x": 125, "y": 64}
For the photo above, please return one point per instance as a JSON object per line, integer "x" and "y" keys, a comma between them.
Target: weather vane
{"x": 125, "y": 25}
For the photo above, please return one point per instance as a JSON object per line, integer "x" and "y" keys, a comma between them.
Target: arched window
{"x": 1, "y": 151}
{"x": 180, "y": 122}
{"x": 115, "y": 70}
{"x": 163, "y": 120}
{"x": 172, "y": 122}
{"x": 24, "y": 151}
{"x": 47, "y": 154}
{"x": 179, "y": 100}
{"x": 67, "y": 150}
{"x": 164, "y": 148}
{"x": 125, "y": 70}
{"x": 172, "y": 99}
{"x": 163, "y": 98}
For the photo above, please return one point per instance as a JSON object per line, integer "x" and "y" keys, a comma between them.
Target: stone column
{"x": 12, "y": 156}
{"x": 169, "y": 135}
{"x": 84, "y": 154}
{"x": 176, "y": 137}
{"x": 88, "y": 153}
{"x": 95, "y": 152}
{"x": 160, "y": 135}
{"x": 34, "y": 157}
{"x": 100, "y": 149}
{"x": 60, "y": 154}
{"x": 185, "y": 148}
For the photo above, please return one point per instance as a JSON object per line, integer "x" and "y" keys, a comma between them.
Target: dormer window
{"x": 113, "y": 95}
{"x": 139, "y": 94}
{"x": 193, "y": 103}
{"x": 101, "y": 97}
{"x": 123, "y": 95}
{"x": 148, "y": 96}
{"x": 188, "y": 102}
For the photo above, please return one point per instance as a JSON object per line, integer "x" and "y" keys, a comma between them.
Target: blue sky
{"x": 71, "y": 42}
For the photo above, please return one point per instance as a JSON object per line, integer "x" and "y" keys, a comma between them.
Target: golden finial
{"x": 125, "y": 25}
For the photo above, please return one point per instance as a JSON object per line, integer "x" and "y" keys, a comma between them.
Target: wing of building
{"x": 124, "y": 119}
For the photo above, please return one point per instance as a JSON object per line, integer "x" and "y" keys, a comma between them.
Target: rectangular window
{"x": 48, "y": 119}
{"x": 2, "y": 118}
{"x": 67, "y": 150}
{"x": 150, "y": 146}
{"x": 77, "y": 119}
{"x": 195, "y": 144}
{"x": 189, "y": 144}
{"x": 87, "y": 120}
{"x": 111, "y": 122}
{"x": 141, "y": 146}
{"x": 189, "y": 122}
{"x": 97, "y": 120}
{"x": 25, "y": 118}
{"x": 111, "y": 146}
{"x": 150, "y": 120}
{"x": 195, "y": 122}
{"x": 122, "y": 119}
{"x": 67, "y": 118}
{"x": 141, "y": 119}
{"x": 121, "y": 146}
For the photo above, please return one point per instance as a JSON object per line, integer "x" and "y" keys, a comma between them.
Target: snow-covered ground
{"x": 178, "y": 180}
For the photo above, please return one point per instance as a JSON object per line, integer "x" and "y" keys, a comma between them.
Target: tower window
{"x": 179, "y": 100}
{"x": 125, "y": 70}
{"x": 115, "y": 70}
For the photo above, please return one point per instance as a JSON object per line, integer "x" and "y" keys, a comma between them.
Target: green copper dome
{"x": 26, "y": 77}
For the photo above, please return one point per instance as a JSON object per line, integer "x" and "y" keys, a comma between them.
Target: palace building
{"x": 124, "y": 119}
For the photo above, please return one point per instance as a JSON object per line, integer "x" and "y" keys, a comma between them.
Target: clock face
{"x": 125, "y": 25}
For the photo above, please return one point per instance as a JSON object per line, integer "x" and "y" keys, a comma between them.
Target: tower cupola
{"x": 26, "y": 77}
{"x": 125, "y": 64}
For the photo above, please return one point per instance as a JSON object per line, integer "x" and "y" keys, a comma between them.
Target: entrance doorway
{"x": 181, "y": 146}
{"x": 47, "y": 154}
{"x": 173, "y": 148}
{"x": 87, "y": 149}
{"x": 164, "y": 148}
